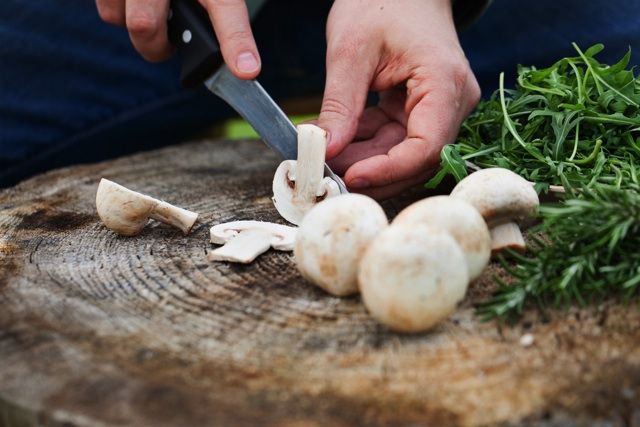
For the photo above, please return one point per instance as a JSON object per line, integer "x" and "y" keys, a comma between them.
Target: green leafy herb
{"x": 575, "y": 123}
{"x": 589, "y": 251}
{"x": 452, "y": 164}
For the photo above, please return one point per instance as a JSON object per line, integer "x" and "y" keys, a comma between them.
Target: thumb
{"x": 349, "y": 74}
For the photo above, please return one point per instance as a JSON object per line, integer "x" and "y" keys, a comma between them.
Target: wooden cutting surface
{"x": 97, "y": 329}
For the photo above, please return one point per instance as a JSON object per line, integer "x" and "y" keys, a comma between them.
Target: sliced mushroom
{"x": 299, "y": 185}
{"x": 458, "y": 218}
{"x": 332, "y": 238}
{"x": 244, "y": 240}
{"x": 504, "y": 199}
{"x": 127, "y": 212}
{"x": 412, "y": 276}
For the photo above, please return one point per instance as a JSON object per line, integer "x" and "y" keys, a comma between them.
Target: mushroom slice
{"x": 299, "y": 185}
{"x": 502, "y": 197}
{"x": 127, "y": 212}
{"x": 244, "y": 240}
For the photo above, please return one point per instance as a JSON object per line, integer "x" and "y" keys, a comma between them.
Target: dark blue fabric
{"x": 72, "y": 89}
{"x": 540, "y": 32}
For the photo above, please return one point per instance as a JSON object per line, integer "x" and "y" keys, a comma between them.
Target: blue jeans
{"x": 72, "y": 89}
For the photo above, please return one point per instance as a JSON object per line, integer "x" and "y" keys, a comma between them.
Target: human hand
{"x": 409, "y": 52}
{"x": 146, "y": 21}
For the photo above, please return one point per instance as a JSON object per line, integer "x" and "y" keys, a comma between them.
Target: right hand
{"x": 146, "y": 21}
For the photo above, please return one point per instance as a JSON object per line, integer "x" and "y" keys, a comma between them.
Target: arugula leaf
{"x": 452, "y": 163}
{"x": 567, "y": 124}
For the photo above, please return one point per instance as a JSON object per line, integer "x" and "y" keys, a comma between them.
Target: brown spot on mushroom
{"x": 327, "y": 266}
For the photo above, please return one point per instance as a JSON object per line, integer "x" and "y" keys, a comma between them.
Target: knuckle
{"x": 460, "y": 72}
{"x": 344, "y": 48}
{"x": 389, "y": 175}
{"x": 225, "y": 3}
{"x": 239, "y": 35}
{"x": 110, "y": 15}
{"x": 142, "y": 25}
{"x": 334, "y": 107}
{"x": 474, "y": 92}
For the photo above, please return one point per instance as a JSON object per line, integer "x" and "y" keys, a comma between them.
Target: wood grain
{"x": 97, "y": 329}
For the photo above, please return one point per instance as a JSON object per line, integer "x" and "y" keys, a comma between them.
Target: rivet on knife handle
{"x": 190, "y": 31}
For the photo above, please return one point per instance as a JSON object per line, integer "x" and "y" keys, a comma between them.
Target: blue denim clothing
{"x": 540, "y": 32}
{"x": 72, "y": 89}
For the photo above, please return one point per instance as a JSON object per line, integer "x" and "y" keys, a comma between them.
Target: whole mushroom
{"x": 458, "y": 218}
{"x": 504, "y": 199}
{"x": 333, "y": 237}
{"x": 299, "y": 185}
{"x": 127, "y": 212}
{"x": 412, "y": 276}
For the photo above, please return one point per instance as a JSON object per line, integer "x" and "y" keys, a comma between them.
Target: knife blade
{"x": 191, "y": 32}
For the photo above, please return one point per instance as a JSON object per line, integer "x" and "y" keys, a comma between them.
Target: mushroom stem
{"x": 507, "y": 235}
{"x": 173, "y": 215}
{"x": 244, "y": 247}
{"x": 309, "y": 170}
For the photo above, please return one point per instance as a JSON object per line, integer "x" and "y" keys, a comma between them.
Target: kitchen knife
{"x": 191, "y": 32}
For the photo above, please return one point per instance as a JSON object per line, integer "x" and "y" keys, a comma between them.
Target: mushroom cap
{"x": 282, "y": 236}
{"x": 283, "y": 193}
{"x": 122, "y": 210}
{"x": 499, "y": 194}
{"x": 412, "y": 276}
{"x": 458, "y": 218}
{"x": 332, "y": 238}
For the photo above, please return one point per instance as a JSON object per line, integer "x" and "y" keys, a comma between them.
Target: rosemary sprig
{"x": 574, "y": 124}
{"x": 589, "y": 251}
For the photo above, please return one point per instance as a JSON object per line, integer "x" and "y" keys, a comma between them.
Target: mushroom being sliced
{"x": 244, "y": 240}
{"x": 504, "y": 199}
{"x": 299, "y": 185}
{"x": 127, "y": 212}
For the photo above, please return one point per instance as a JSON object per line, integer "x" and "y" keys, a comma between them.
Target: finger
{"x": 397, "y": 188}
{"x": 146, "y": 21}
{"x": 433, "y": 123}
{"x": 372, "y": 119}
{"x": 230, "y": 20}
{"x": 111, "y": 11}
{"x": 387, "y": 136}
{"x": 345, "y": 91}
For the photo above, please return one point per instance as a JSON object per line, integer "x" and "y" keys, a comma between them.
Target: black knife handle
{"x": 190, "y": 31}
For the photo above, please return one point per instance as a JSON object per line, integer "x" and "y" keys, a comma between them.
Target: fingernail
{"x": 247, "y": 62}
{"x": 359, "y": 183}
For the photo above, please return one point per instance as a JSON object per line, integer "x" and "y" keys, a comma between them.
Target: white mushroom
{"x": 504, "y": 199}
{"x": 459, "y": 219}
{"x": 244, "y": 240}
{"x": 332, "y": 238}
{"x": 299, "y": 185}
{"x": 412, "y": 276}
{"x": 127, "y": 212}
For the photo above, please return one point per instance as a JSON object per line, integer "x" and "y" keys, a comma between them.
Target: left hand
{"x": 409, "y": 52}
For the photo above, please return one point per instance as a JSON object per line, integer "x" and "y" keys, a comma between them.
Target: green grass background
{"x": 240, "y": 129}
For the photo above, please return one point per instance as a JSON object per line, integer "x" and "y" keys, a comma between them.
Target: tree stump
{"x": 98, "y": 329}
